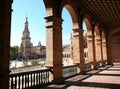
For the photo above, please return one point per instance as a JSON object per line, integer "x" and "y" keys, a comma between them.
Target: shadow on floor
{"x": 78, "y": 82}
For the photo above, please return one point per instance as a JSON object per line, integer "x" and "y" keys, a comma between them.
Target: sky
{"x": 35, "y": 11}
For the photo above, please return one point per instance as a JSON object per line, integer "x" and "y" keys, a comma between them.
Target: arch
{"x": 49, "y": 9}
{"x": 88, "y": 40}
{"x": 71, "y": 7}
{"x": 86, "y": 18}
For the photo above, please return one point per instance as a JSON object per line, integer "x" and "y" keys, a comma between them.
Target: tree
{"x": 14, "y": 52}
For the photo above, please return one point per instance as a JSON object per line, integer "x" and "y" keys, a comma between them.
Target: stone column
{"x": 78, "y": 49}
{"x": 91, "y": 50}
{"x": 5, "y": 26}
{"x": 109, "y": 53}
{"x": 54, "y": 47}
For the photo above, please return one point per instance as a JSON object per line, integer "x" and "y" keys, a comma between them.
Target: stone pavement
{"x": 107, "y": 77}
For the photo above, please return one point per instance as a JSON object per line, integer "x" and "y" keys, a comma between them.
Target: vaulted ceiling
{"x": 106, "y": 12}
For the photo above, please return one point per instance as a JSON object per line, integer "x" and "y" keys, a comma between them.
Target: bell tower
{"x": 26, "y": 45}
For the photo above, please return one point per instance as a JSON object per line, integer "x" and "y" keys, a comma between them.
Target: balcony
{"x": 41, "y": 78}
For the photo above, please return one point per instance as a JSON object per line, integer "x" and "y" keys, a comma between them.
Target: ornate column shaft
{"x": 78, "y": 49}
{"x": 5, "y": 26}
{"x": 91, "y": 50}
{"x": 54, "y": 47}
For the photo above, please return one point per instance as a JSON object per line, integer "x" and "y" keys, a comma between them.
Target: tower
{"x": 26, "y": 45}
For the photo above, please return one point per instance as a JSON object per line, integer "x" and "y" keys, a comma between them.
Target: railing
{"x": 37, "y": 78}
{"x": 24, "y": 80}
{"x": 105, "y": 62}
{"x": 72, "y": 70}
{"x": 69, "y": 71}
{"x": 88, "y": 66}
{"x": 98, "y": 64}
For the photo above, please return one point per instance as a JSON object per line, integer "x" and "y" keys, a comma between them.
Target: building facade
{"x": 67, "y": 51}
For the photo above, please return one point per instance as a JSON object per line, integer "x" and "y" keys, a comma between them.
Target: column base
{"x": 82, "y": 72}
{"x": 109, "y": 62}
{"x": 60, "y": 80}
{"x": 103, "y": 63}
{"x": 82, "y": 68}
{"x": 94, "y": 66}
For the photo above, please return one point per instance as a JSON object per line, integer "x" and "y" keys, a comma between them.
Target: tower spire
{"x": 26, "y": 20}
{"x": 26, "y": 32}
{"x": 26, "y": 24}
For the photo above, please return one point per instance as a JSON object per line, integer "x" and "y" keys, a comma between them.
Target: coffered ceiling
{"x": 106, "y": 12}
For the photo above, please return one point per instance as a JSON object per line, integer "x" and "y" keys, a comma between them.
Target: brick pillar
{"x": 54, "y": 47}
{"x": 104, "y": 50}
{"x": 5, "y": 25}
{"x": 78, "y": 49}
{"x": 109, "y": 53}
{"x": 98, "y": 49}
{"x": 91, "y": 50}
{"x": 101, "y": 46}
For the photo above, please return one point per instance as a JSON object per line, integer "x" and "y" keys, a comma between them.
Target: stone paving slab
{"x": 103, "y": 78}
{"x": 84, "y": 87}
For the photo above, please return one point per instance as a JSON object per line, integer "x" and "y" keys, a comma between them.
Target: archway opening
{"x": 28, "y": 34}
{"x": 84, "y": 27}
{"x": 66, "y": 37}
{"x": 88, "y": 51}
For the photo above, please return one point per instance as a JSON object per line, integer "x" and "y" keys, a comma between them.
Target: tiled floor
{"x": 103, "y": 78}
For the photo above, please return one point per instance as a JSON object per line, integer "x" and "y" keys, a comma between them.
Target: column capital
{"x": 52, "y": 17}
{"x": 77, "y": 30}
{"x": 52, "y": 21}
{"x": 98, "y": 39}
{"x": 104, "y": 42}
{"x": 90, "y": 36}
